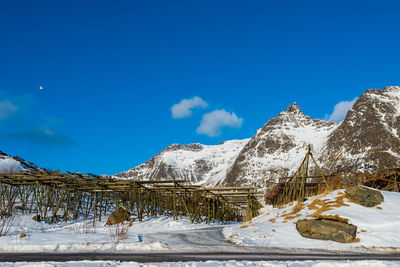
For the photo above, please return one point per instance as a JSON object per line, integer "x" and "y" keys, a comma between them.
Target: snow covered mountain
{"x": 368, "y": 139}
{"x": 13, "y": 164}
{"x": 200, "y": 163}
{"x": 278, "y": 148}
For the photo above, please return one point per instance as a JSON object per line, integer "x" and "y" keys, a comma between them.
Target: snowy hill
{"x": 368, "y": 139}
{"x": 12, "y": 164}
{"x": 377, "y": 227}
{"x": 200, "y": 163}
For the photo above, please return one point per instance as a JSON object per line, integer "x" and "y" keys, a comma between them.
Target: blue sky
{"x": 112, "y": 71}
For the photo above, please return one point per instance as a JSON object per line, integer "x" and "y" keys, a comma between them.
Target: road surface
{"x": 189, "y": 256}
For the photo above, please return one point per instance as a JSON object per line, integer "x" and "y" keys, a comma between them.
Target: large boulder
{"x": 119, "y": 215}
{"x": 327, "y": 230}
{"x": 364, "y": 196}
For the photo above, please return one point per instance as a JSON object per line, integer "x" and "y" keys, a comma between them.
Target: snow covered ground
{"x": 78, "y": 236}
{"x": 378, "y": 228}
{"x": 366, "y": 263}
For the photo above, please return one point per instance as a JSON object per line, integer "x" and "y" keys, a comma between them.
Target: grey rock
{"x": 119, "y": 215}
{"x": 365, "y": 196}
{"x": 327, "y": 230}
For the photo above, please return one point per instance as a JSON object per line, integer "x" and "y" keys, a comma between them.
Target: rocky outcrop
{"x": 278, "y": 148}
{"x": 367, "y": 140}
{"x": 365, "y": 196}
{"x": 327, "y": 230}
{"x": 369, "y": 137}
{"x": 119, "y": 215}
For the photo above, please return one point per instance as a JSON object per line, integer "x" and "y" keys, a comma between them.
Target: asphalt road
{"x": 192, "y": 256}
{"x": 208, "y": 244}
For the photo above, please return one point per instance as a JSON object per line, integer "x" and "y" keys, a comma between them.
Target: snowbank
{"x": 78, "y": 236}
{"x": 378, "y": 227}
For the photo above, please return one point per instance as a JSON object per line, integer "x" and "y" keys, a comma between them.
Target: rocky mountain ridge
{"x": 369, "y": 137}
{"x": 366, "y": 140}
{"x": 201, "y": 164}
{"x": 278, "y": 148}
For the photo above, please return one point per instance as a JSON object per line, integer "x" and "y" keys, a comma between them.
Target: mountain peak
{"x": 391, "y": 88}
{"x": 293, "y": 108}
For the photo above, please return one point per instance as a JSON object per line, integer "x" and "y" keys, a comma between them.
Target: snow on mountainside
{"x": 202, "y": 164}
{"x": 369, "y": 137}
{"x": 12, "y": 164}
{"x": 278, "y": 148}
{"x": 8, "y": 163}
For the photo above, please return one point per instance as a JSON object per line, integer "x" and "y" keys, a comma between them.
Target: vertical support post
{"x": 94, "y": 208}
{"x": 174, "y": 200}
{"x": 37, "y": 200}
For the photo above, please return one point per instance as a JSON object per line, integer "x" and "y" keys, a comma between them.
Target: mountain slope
{"x": 13, "y": 164}
{"x": 369, "y": 137}
{"x": 201, "y": 164}
{"x": 278, "y": 148}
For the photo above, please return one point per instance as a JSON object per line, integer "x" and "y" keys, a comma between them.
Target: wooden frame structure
{"x": 302, "y": 185}
{"x": 55, "y": 196}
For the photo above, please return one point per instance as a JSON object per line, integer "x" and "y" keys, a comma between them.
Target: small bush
{"x": 6, "y": 223}
{"x": 82, "y": 228}
{"x": 118, "y": 232}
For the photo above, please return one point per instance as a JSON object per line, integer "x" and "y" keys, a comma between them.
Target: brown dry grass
{"x": 295, "y": 210}
{"x": 318, "y": 213}
{"x": 322, "y": 206}
{"x": 291, "y": 217}
{"x": 299, "y": 206}
{"x": 333, "y": 184}
{"x": 316, "y": 202}
{"x": 379, "y": 208}
{"x": 338, "y": 202}
{"x": 165, "y": 246}
{"x": 273, "y": 220}
{"x": 244, "y": 226}
{"x": 333, "y": 217}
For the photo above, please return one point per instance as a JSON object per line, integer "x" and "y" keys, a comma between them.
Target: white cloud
{"x": 340, "y": 110}
{"x": 6, "y": 109}
{"x": 184, "y": 108}
{"x": 212, "y": 122}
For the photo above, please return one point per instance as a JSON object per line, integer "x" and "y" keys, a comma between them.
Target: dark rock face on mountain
{"x": 369, "y": 137}
{"x": 278, "y": 148}
{"x": 195, "y": 162}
